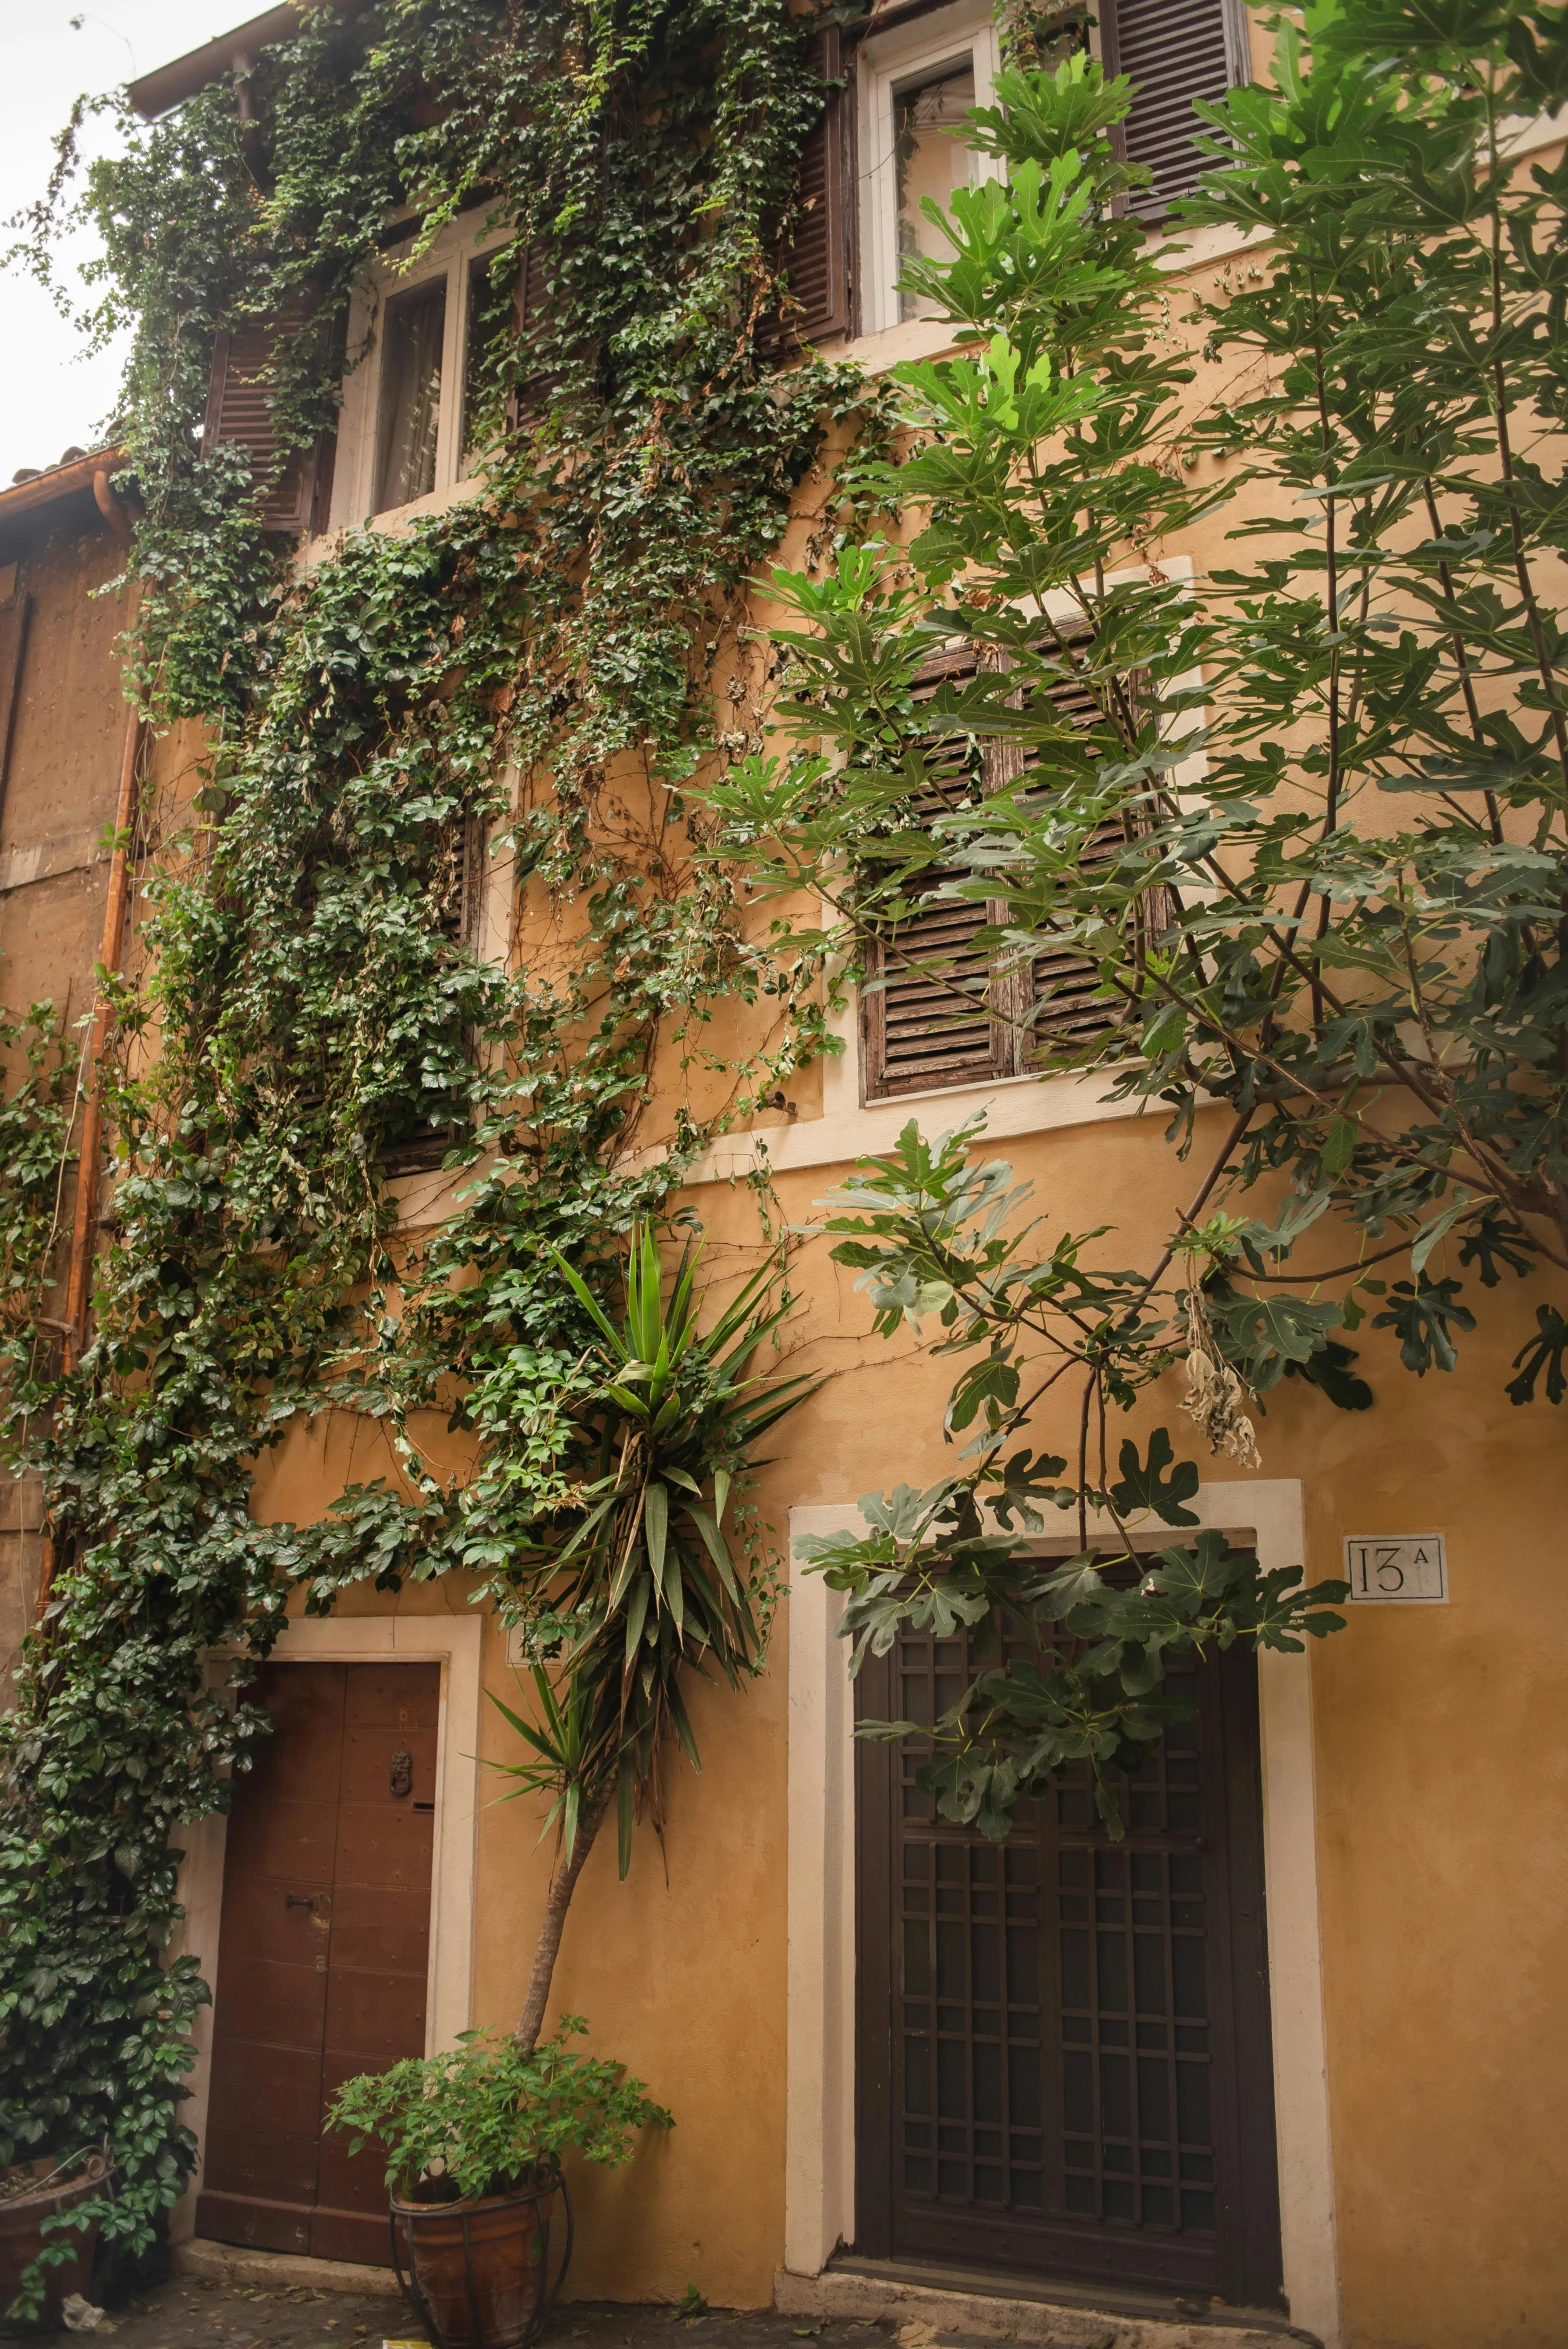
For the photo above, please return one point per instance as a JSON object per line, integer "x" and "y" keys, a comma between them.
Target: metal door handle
{"x": 300, "y": 1900}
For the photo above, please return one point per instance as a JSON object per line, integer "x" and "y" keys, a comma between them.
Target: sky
{"x": 50, "y": 50}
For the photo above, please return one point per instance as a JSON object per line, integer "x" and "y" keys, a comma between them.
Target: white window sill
{"x": 395, "y": 522}
{"x": 932, "y": 338}
{"x": 1012, "y": 1105}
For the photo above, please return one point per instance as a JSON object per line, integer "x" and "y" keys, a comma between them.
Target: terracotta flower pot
{"x": 476, "y": 2270}
{"x": 52, "y": 2187}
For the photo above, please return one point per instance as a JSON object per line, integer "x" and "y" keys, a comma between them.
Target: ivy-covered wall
{"x": 540, "y": 669}
{"x": 289, "y": 1388}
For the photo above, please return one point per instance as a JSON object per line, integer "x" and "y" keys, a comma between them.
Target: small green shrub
{"x": 484, "y": 2115}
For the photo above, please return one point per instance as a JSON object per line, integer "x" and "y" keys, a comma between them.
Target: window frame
{"x": 886, "y": 60}
{"x": 451, "y": 258}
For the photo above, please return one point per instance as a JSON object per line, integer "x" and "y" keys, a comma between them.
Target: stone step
{"x": 280, "y": 2271}
{"x": 947, "y": 2309}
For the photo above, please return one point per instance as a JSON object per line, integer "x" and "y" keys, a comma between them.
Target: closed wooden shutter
{"x": 820, "y": 256}
{"x": 239, "y": 409}
{"x": 13, "y": 643}
{"x": 1059, "y": 1005}
{"x": 920, "y": 1021}
{"x": 1175, "y": 52}
{"x": 923, "y": 1016}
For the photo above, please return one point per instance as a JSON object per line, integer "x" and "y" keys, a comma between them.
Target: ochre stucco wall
{"x": 1441, "y": 1782}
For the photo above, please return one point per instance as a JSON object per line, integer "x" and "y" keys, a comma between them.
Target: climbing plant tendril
{"x": 548, "y": 662}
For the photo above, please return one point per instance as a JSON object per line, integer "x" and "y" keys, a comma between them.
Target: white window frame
{"x": 888, "y": 60}
{"x": 450, "y": 257}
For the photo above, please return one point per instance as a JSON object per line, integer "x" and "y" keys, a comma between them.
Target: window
{"x": 916, "y": 87}
{"x": 943, "y": 1011}
{"x": 1175, "y": 52}
{"x": 930, "y": 160}
{"x": 407, "y": 414}
{"x": 419, "y": 1128}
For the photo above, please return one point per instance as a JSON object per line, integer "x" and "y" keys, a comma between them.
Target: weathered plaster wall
{"x": 58, "y": 795}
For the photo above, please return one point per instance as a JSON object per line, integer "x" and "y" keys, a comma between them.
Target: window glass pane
{"x": 930, "y": 161}
{"x": 410, "y": 412}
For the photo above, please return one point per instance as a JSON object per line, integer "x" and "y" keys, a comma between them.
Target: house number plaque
{"x": 1395, "y": 1566}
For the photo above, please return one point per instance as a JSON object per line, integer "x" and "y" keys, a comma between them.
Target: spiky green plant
{"x": 629, "y": 1581}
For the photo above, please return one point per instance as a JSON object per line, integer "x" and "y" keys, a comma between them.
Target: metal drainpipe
{"x": 85, "y": 1215}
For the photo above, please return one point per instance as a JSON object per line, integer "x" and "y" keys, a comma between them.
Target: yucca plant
{"x": 633, "y": 1584}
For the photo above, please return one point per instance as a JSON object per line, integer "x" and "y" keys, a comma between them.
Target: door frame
{"x": 819, "y": 2166}
{"x": 456, "y": 1643}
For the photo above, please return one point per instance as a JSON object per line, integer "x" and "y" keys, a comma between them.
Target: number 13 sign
{"x": 1396, "y": 1566}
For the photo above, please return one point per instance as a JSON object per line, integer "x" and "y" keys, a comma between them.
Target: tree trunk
{"x": 563, "y": 1883}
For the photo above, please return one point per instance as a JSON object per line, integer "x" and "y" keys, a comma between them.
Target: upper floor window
{"x": 946, "y": 1009}
{"x": 1175, "y": 52}
{"x": 917, "y": 87}
{"x": 407, "y": 423}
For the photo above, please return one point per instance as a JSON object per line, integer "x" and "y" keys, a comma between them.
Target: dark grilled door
{"x": 1064, "y": 2058}
{"x": 322, "y": 1953}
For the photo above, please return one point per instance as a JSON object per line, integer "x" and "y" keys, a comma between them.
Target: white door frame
{"x": 819, "y": 2170}
{"x": 455, "y": 1642}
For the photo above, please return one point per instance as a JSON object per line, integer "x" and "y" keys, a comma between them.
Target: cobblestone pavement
{"x": 191, "y": 2313}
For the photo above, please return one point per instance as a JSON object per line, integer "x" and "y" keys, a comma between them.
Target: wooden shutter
{"x": 921, "y": 1025}
{"x": 239, "y": 408}
{"x": 528, "y": 300}
{"x": 819, "y": 257}
{"x": 925, "y": 1024}
{"x": 1175, "y": 51}
{"x": 13, "y": 642}
{"x": 1058, "y": 989}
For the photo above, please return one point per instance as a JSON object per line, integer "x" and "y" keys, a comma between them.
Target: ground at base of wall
{"x": 193, "y": 2312}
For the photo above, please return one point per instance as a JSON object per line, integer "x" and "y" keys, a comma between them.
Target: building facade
{"x": 1296, "y": 2045}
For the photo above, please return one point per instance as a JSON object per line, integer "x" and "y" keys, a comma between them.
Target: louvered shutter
{"x": 239, "y": 409}
{"x": 1065, "y": 1013}
{"x": 1174, "y": 51}
{"x": 922, "y": 1025}
{"x": 819, "y": 257}
{"x": 925, "y": 1022}
{"x": 13, "y": 641}
{"x": 528, "y": 297}
{"x": 1058, "y": 1004}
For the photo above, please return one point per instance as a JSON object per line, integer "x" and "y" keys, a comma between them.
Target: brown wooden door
{"x": 322, "y": 1953}
{"x": 1064, "y": 2058}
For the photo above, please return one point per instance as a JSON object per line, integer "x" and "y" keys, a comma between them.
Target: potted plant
{"x": 473, "y": 2139}
{"x": 46, "y": 2247}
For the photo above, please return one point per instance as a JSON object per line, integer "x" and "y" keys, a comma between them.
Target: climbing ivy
{"x": 543, "y": 666}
